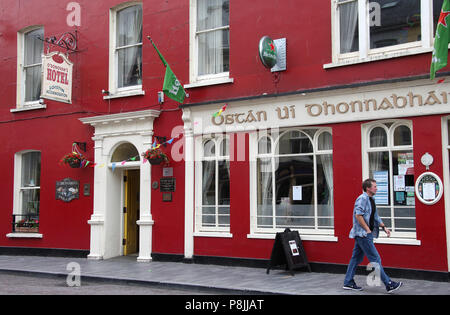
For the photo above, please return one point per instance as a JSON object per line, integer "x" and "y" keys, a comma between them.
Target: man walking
{"x": 366, "y": 224}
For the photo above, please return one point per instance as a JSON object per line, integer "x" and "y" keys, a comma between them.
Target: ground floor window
{"x": 294, "y": 181}
{"x": 27, "y": 191}
{"x": 389, "y": 160}
{"x": 213, "y": 177}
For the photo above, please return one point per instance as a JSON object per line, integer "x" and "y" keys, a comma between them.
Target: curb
{"x": 165, "y": 284}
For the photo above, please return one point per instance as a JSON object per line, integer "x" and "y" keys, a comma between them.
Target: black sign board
{"x": 167, "y": 184}
{"x": 288, "y": 250}
{"x": 67, "y": 189}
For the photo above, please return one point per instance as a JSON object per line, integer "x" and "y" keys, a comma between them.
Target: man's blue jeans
{"x": 364, "y": 246}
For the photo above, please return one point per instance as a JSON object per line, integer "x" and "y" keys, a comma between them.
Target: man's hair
{"x": 368, "y": 183}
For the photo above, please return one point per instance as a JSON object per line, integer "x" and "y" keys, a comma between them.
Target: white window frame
{"x": 266, "y": 233}
{"x": 200, "y": 230}
{"x": 17, "y": 196}
{"x": 446, "y": 175}
{"x": 21, "y": 104}
{"x": 365, "y": 54}
{"x": 406, "y": 238}
{"x": 194, "y": 79}
{"x": 17, "y": 203}
{"x": 114, "y": 90}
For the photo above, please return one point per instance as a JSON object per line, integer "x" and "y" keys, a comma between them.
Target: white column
{"x": 446, "y": 174}
{"x": 189, "y": 185}
{"x": 97, "y": 221}
{"x": 145, "y": 221}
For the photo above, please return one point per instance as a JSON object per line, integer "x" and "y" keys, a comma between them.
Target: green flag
{"x": 172, "y": 87}
{"x": 440, "y": 51}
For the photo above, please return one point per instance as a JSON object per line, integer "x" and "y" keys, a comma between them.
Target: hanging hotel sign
{"x": 57, "y": 77}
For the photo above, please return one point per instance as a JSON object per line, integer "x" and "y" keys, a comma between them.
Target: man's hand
{"x": 388, "y": 232}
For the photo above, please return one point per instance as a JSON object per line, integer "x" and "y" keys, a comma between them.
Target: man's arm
{"x": 363, "y": 223}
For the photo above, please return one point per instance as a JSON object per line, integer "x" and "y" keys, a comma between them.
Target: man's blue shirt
{"x": 364, "y": 208}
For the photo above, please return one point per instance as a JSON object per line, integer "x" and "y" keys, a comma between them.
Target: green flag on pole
{"x": 440, "y": 51}
{"x": 171, "y": 87}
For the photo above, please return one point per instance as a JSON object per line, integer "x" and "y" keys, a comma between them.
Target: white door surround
{"x": 110, "y": 132}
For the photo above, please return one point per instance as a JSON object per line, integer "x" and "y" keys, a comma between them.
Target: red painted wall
{"x": 347, "y": 168}
{"x": 307, "y": 27}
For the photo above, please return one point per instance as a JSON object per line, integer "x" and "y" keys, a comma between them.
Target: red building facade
{"x": 290, "y": 149}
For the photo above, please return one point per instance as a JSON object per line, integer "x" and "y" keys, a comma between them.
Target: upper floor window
{"x": 125, "y": 68}
{"x": 374, "y": 29}
{"x": 210, "y": 40}
{"x": 30, "y": 46}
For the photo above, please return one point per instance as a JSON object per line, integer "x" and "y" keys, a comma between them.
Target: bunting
{"x": 86, "y": 163}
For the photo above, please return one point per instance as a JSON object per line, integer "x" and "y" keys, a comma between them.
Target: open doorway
{"x": 131, "y": 212}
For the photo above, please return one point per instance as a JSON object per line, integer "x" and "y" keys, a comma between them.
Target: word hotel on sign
{"x": 57, "y": 76}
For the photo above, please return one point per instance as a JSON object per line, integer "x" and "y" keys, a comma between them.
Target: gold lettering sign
{"x": 326, "y": 108}
{"x": 240, "y": 118}
{"x": 390, "y": 102}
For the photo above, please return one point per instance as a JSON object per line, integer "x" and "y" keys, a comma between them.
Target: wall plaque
{"x": 67, "y": 189}
{"x": 429, "y": 188}
{"x": 167, "y": 184}
{"x": 167, "y": 197}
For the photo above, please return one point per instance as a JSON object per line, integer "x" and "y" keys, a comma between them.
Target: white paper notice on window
{"x": 429, "y": 191}
{"x": 399, "y": 183}
{"x": 294, "y": 248}
{"x": 382, "y": 196}
{"x": 297, "y": 193}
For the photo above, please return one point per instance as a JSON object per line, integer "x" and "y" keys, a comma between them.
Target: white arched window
{"x": 389, "y": 160}
{"x": 294, "y": 182}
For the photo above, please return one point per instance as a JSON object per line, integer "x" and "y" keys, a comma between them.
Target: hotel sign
{"x": 57, "y": 77}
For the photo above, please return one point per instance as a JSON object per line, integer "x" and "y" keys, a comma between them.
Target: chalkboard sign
{"x": 67, "y": 189}
{"x": 167, "y": 184}
{"x": 288, "y": 250}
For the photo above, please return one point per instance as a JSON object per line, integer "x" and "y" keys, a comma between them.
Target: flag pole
{"x": 169, "y": 71}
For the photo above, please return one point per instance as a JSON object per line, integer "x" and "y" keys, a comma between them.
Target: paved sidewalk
{"x": 235, "y": 280}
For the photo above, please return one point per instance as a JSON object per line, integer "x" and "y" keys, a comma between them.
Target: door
{"x": 131, "y": 212}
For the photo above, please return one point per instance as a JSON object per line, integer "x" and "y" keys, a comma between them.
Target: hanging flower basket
{"x": 156, "y": 161}
{"x": 74, "y": 160}
{"x": 156, "y": 156}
